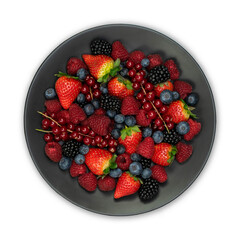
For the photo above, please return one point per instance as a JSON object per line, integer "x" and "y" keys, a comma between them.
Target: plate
{"x": 180, "y": 176}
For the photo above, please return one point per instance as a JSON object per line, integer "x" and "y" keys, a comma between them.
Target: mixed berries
{"x": 116, "y": 120}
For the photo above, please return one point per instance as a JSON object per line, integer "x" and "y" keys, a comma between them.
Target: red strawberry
{"x": 53, "y": 106}
{"x": 155, "y": 60}
{"x": 120, "y": 87}
{"x": 119, "y": 51}
{"x": 164, "y": 154}
{"x": 77, "y": 169}
{"x": 88, "y": 181}
{"x": 130, "y": 138}
{"x": 163, "y": 86}
{"x": 184, "y": 151}
{"x": 126, "y": 185}
{"x": 159, "y": 173}
{"x": 54, "y": 151}
{"x": 136, "y": 56}
{"x": 172, "y": 69}
{"x": 64, "y": 114}
{"x": 106, "y": 184}
{"x": 142, "y": 119}
{"x": 99, "y": 161}
{"x": 146, "y": 148}
{"x": 195, "y": 128}
{"x": 100, "y": 111}
{"x": 100, "y": 124}
{"x": 76, "y": 114}
{"x": 183, "y": 88}
{"x": 123, "y": 161}
{"x": 67, "y": 89}
{"x": 74, "y": 64}
{"x": 130, "y": 106}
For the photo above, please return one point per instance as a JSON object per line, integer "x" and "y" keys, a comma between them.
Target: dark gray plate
{"x": 180, "y": 176}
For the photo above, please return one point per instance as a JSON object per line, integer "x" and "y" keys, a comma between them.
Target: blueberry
{"x": 124, "y": 72}
{"x": 79, "y": 159}
{"x": 157, "y": 136}
{"x": 130, "y": 121}
{"x": 65, "y": 163}
{"x": 61, "y": 142}
{"x": 166, "y": 96}
{"x": 89, "y": 109}
{"x": 135, "y": 168}
{"x": 176, "y": 95}
{"x": 115, "y": 173}
{"x": 146, "y": 173}
{"x": 111, "y": 113}
{"x": 135, "y": 157}
{"x": 145, "y": 62}
{"x": 82, "y": 73}
{"x": 182, "y": 128}
{"x": 192, "y": 99}
{"x": 147, "y": 132}
{"x": 119, "y": 126}
{"x": 81, "y": 98}
{"x": 119, "y": 118}
{"x": 50, "y": 93}
{"x": 120, "y": 149}
{"x": 116, "y": 133}
{"x": 96, "y": 103}
{"x": 103, "y": 89}
{"x": 83, "y": 149}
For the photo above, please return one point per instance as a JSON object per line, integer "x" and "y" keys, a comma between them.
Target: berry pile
{"x": 116, "y": 120}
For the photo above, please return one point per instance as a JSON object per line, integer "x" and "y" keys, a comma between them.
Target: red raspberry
{"x": 64, "y": 114}
{"x": 53, "y": 106}
{"x": 146, "y": 148}
{"x": 88, "y": 181}
{"x": 172, "y": 69}
{"x": 77, "y": 169}
{"x": 74, "y": 64}
{"x": 130, "y": 106}
{"x": 195, "y": 128}
{"x": 136, "y": 56}
{"x": 100, "y": 124}
{"x": 119, "y": 51}
{"x": 183, "y": 88}
{"x": 184, "y": 151}
{"x": 106, "y": 184}
{"x": 100, "y": 111}
{"x": 159, "y": 173}
{"x": 123, "y": 161}
{"x": 76, "y": 114}
{"x": 54, "y": 151}
{"x": 142, "y": 119}
{"x": 155, "y": 60}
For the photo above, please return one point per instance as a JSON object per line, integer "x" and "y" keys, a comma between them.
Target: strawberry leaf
{"x": 123, "y": 134}
{"x": 113, "y": 165}
{"x": 170, "y": 160}
{"x": 136, "y": 129}
{"x": 61, "y": 74}
{"x": 106, "y": 171}
{"x": 116, "y": 63}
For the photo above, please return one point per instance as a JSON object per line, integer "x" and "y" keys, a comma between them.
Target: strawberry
{"x": 130, "y": 106}
{"x": 164, "y": 154}
{"x": 120, "y": 87}
{"x": 106, "y": 183}
{"x": 88, "y": 181}
{"x": 159, "y": 173}
{"x": 77, "y": 169}
{"x": 163, "y": 86}
{"x": 184, "y": 151}
{"x": 154, "y": 60}
{"x": 100, "y": 161}
{"x": 146, "y": 148}
{"x": 126, "y": 185}
{"x": 172, "y": 69}
{"x": 101, "y": 66}
{"x": 136, "y": 56}
{"x": 195, "y": 128}
{"x": 67, "y": 88}
{"x": 54, "y": 151}
{"x": 183, "y": 88}
{"x": 53, "y": 106}
{"x": 179, "y": 111}
{"x": 119, "y": 51}
{"x": 76, "y": 114}
{"x": 100, "y": 124}
{"x": 130, "y": 138}
{"x": 74, "y": 64}
{"x": 142, "y": 119}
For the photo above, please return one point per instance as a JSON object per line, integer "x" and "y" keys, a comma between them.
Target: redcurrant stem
{"x": 41, "y": 130}
{"x": 49, "y": 118}
{"x": 90, "y": 90}
{"x": 144, "y": 91}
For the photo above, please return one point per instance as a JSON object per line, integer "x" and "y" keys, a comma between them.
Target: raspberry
{"x": 53, "y": 106}
{"x": 172, "y": 68}
{"x": 54, "y": 151}
{"x": 123, "y": 161}
{"x": 88, "y": 181}
{"x": 100, "y": 111}
{"x": 85, "y": 122}
{"x": 130, "y": 106}
{"x": 76, "y": 169}
{"x": 142, "y": 119}
{"x": 100, "y": 124}
{"x": 74, "y": 64}
{"x": 184, "y": 151}
{"x": 159, "y": 173}
{"x": 64, "y": 114}
{"x": 146, "y": 148}
{"x": 119, "y": 51}
{"x": 76, "y": 114}
{"x": 183, "y": 88}
{"x": 106, "y": 184}
{"x": 195, "y": 128}
{"x": 155, "y": 60}
{"x": 136, "y": 56}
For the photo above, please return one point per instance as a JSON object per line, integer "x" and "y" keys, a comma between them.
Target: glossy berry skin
{"x": 71, "y": 126}
{"x": 167, "y": 118}
{"x": 56, "y": 130}
{"x": 182, "y": 128}
{"x": 90, "y": 82}
{"x": 83, "y": 149}
{"x": 146, "y": 173}
{"x": 120, "y": 149}
{"x": 112, "y": 149}
{"x": 192, "y": 99}
{"x": 176, "y": 95}
{"x": 132, "y": 73}
{"x": 88, "y": 97}
{"x": 147, "y": 106}
{"x": 81, "y": 98}
{"x": 82, "y": 73}
{"x": 85, "y": 89}
{"x": 129, "y": 64}
{"x": 130, "y": 121}
{"x": 96, "y": 103}
{"x": 152, "y": 114}
{"x": 136, "y": 86}
{"x": 79, "y": 159}
{"x": 138, "y": 66}
{"x": 115, "y": 173}
{"x": 89, "y": 109}
{"x": 119, "y": 126}
{"x": 48, "y": 137}
{"x": 158, "y": 122}
{"x": 157, "y": 137}
{"x": 50, "y": 93}
{"x": 61, "y": 121}
{"x": 140, "y": 95}
{"x": 124, "y": 72}
{"x": 64, "y": 136}
{"x": 46, "y": 123}
{"x": 150, "y": 96}
{"x": 166, "y": 96}
{"x": 170, "y": 125}
{"x": 135, "y": 168}
{"x": 147, "y": 132}
{"x": 97, "y": 93}
{"x": 116, "y": 133}
{"x": 139, "y": 78}
{"x": 65, "y": 163}
{"x": 157, "y": 103}
{"x": 98, "y": 139}
{"x": 149, "y": 87}
{"x": 145, "y": 62}
{"x": 87, "y": 140}
{"x": 111, "y": 113}
{"x": 163, "y": 109}
{"x": 136, "y": 157}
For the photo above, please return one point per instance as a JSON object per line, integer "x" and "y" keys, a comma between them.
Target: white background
{"x": 30, "y": 30}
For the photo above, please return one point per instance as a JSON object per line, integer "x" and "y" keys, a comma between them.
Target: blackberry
{"x": 70, "y": 148}
{"x": 149, "y": 189}
{"x": 108, "y": 102}
{"x": 100, "y": 46}
{"x": 158, "y": 74}
{"x": 172, "y": 137}
{"x": 146, "y": 163}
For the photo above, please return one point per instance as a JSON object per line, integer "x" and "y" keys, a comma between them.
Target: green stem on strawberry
{"x": 112, "y": 165}
{"x": 189, "y": 109}
{"x": 135, "y": 177}
{"x": 61, "y": 74}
